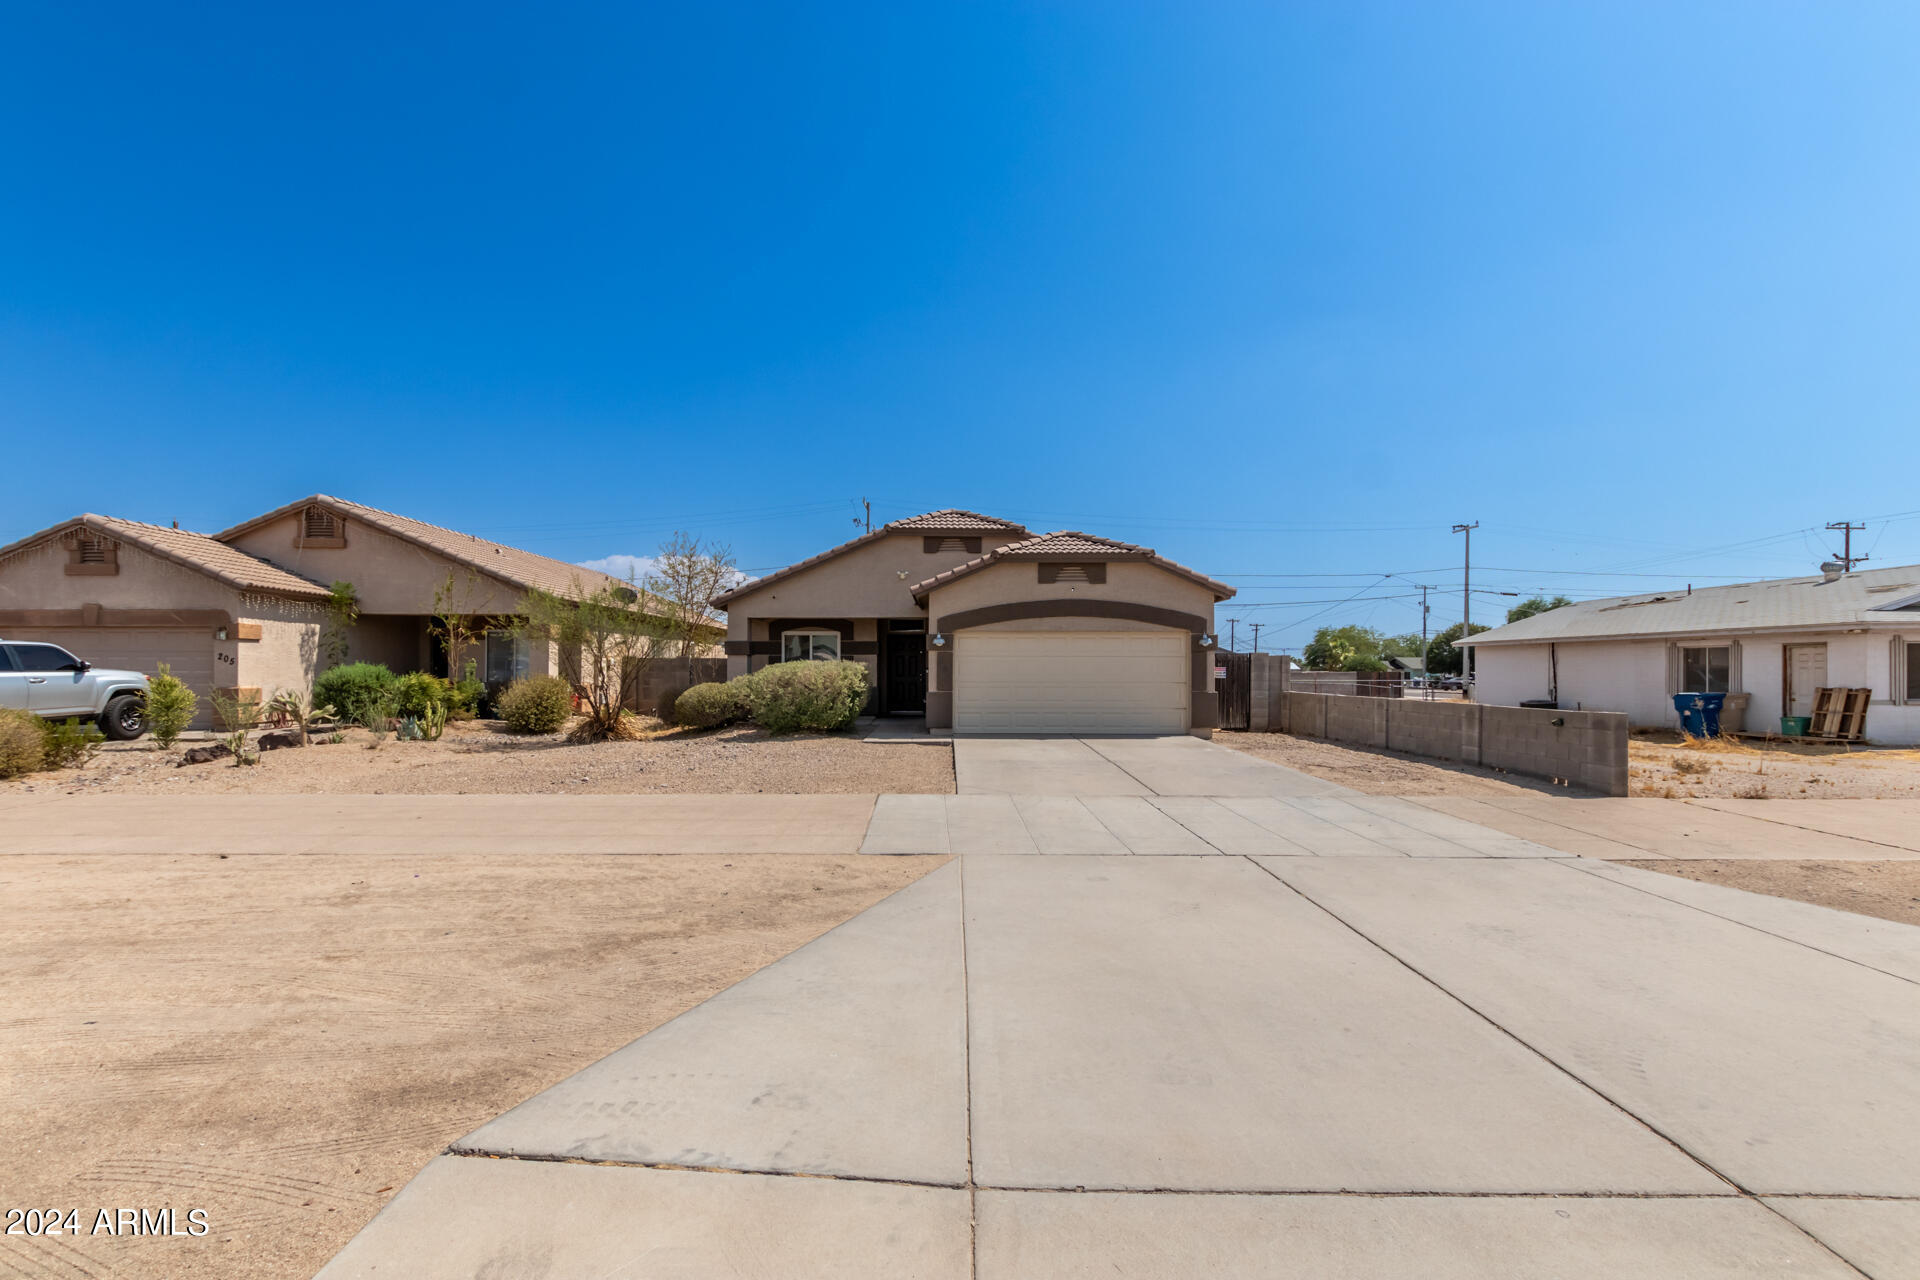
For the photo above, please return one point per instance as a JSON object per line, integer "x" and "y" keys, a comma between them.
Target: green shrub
{"x": 538, "y": 704}
{"x": 791, "y": 696}
{"x": 467, "y": 696}
{"x": 708, "y": 706}
{"x": 417, "y": 693}
{"x": 355, "y": 691}
{"x": 68, "y": 744}
{"x": 170, "y": 707}
{"x": 22, "y": 743}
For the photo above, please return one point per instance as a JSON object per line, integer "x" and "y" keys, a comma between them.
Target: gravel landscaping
{"x": 482, "y": 757}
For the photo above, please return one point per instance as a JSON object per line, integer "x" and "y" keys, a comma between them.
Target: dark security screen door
{"x": 906, "y": 660}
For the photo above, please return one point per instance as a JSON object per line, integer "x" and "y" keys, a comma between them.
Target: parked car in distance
{"x": 51, "y": 683}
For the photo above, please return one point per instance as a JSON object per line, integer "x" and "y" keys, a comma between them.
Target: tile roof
{"x": 1067, "y": 544}
{"x": 953, "y": 520}
{"x": 193, "y": 550}
{"x": 950, "y": 520}
{"x": 510, "y": 564}
{"x": 1880, "y": 597}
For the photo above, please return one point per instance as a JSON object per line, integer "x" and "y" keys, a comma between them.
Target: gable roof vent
{"x": 93, "y": 551}
{"x": 320, "y": 523}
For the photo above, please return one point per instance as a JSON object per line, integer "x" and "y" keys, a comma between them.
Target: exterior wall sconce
{"x": 1205, "y": 641}
{"x": 938, "y": 641}
{"x": 219, "y": 633}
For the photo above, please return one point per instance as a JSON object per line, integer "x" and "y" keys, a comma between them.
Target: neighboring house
{"x": 246, "y": 609}
{"x": 1775, "y": 641}
{"x": 128, "y": 595}
{"x": 983, "y": 627}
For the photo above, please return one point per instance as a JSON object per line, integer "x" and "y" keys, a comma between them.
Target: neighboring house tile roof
{"x": 953, "y": 520}
{"x": 1067, "y": 544}
{"x": 497, "y": 560}
{"x": 950, "y": 520}
{"x": 1876, "y": 597}
{"x": 193, "y": 550}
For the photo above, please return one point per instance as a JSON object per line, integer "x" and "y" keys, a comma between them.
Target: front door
{"x": 906, "y": 674}
{"x": 1806, "y": 672}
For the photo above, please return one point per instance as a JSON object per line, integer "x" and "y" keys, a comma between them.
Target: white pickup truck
{"x": 53, "y": 684}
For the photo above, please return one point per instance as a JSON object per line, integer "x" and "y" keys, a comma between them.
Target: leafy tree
{"x": 1341, "y": 648}
{"x": 1406, "y": 646}
{"x": 454, "y": 622}
{"x": 1443, "y": 655}
{"x": 606, "y": 642}
{"x": 1538, "y": 604}
{"x": 686, "y": 576}
{"x": 343, "y": 610}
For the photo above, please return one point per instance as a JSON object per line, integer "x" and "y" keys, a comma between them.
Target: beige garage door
{"x": 187, "y": 651}
{"x": 1071, "y": 682}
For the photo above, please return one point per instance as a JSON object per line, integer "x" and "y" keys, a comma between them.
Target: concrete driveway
{"x": 1394, "y": 1043}
{"x": 1170, "y": 766}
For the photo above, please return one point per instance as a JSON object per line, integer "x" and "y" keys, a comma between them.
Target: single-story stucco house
{"x": 245, "y": 609}
{"x": 1776, "y": 641}
{"x": 984, "y": 627}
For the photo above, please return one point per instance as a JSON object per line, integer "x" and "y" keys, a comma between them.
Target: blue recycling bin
{"x": 1699, "y": 713}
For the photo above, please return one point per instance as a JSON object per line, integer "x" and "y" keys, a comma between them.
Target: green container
{"x": 1795, "y": 726}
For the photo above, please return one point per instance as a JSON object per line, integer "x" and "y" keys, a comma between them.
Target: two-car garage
{"x": 1071, "y": 682}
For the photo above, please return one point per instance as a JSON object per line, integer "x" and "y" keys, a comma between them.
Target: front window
{"x": 506, "y": 658}
{"x": 1913, "y": 671}
{"x": 44, "y": 657}
{"x": 1704, "y": 668}
{"x": 815, "y": 646}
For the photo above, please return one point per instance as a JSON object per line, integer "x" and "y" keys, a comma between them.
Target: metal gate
{"x": 1236, "y": 689}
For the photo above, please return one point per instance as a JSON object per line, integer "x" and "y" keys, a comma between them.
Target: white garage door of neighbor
{"x": 187, "y": 651}
{"x": 1071, "y": 682}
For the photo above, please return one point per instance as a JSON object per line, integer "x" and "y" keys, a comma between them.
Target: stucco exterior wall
{"x": 285, "y": 655}
{"x": 1631, "y": 676}
{"x": 36, "y": 578}
{"x": 1130, "y": 580}
{"x": 866, "y": 582}
{"x": 390, "y": 575}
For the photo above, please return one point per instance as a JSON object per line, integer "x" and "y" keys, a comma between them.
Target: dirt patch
{"x": 1385, "y": 773}
{"x": 1666, "y": 766}
{"x": 1889, "y": 890}
{"x": 285, "y": 1041}
{"x": 481, "y": 757}
{"x": 1671, "y": 767}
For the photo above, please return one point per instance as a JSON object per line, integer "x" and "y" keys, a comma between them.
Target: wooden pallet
{"x": 1840, "y": 714}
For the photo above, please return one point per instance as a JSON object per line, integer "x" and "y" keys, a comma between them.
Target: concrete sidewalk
{"x": 1402, "y": 1044}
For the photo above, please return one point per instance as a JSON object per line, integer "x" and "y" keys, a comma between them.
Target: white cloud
{"x": 623, "y": 567}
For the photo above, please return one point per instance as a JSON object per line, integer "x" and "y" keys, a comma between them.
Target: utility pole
{"x": 1846, "y": 529}
{"x": 1466, "y": 601}
{"x": 1423, "y": 629}
{"x": 1233, "y": 630}
{"x": 1256, "y": 636}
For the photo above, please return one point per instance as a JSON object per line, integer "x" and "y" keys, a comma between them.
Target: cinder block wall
{"x": 1585, "y": 748}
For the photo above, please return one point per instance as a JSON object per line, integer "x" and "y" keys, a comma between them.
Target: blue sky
{"x": 1283, "y": 290}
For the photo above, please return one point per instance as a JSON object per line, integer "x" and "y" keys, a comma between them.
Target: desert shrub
{"x": 68, "y": 743}
{"x": 355, "y": 690}
{"x": 538, "y": 704}
{"x": 465, "y": 699}
{"x": 417, "y": 693}
{"x": 708, "y": 706}
{"x": 791, "y": 696}
{"x": 170, "y": 707}
{"x": 22, "y": 743}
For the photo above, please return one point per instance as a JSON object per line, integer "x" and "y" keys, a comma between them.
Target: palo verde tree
{"x": 455, "y": 622}
{"x": 606, "y": 642}
{"x": 684, "y": 579}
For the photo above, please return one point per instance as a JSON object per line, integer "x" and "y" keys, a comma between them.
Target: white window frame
{"x": 1900, "y": 668}
{"x": 1707, "y": 665}
{"x": 812, "y": 652}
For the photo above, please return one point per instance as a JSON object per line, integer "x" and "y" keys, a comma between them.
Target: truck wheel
{"x": 125, "y": 717}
